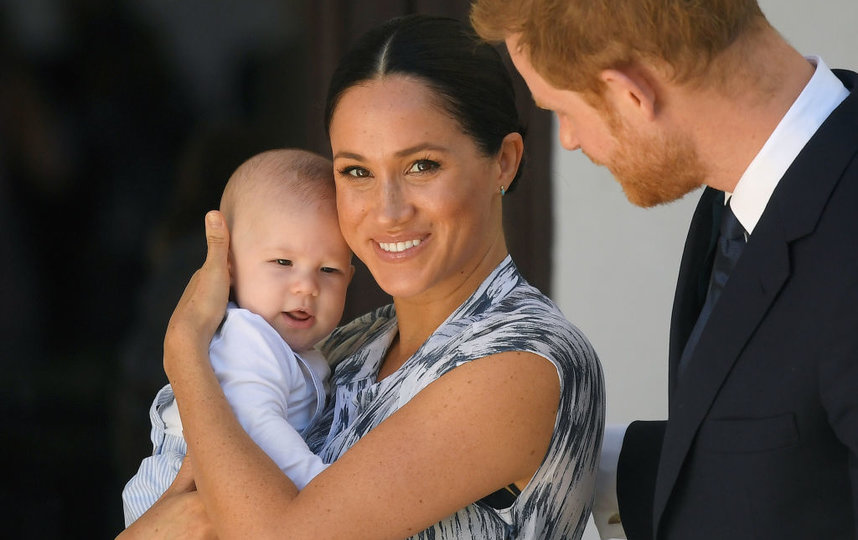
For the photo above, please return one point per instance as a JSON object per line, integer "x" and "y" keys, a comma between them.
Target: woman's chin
{"x": 401, "y": 287}
{"x": 400, "y": 283}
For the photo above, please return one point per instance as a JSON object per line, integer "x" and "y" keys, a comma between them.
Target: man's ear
{"x": 631, "y": 92}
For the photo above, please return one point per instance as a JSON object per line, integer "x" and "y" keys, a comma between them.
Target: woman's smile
{"x": 399, "y": 247}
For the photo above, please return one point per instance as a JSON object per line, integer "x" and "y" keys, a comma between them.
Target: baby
{"x": 290, "y": 268}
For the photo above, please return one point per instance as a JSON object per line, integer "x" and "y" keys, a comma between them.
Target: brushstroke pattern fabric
{"x": 504, "y": 314}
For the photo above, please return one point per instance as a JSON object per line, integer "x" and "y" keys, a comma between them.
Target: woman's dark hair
{"x": 468, "y": 74}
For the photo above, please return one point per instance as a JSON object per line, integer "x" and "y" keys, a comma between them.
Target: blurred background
{"x": 120, "y": 122}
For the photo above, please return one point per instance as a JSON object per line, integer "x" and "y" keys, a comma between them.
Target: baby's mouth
{"x": 298, "y": 315}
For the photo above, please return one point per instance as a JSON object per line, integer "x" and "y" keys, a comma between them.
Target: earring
{"x": 502, "y": 191}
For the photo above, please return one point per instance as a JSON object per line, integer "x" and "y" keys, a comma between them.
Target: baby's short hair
{"x": 299, "y": 175}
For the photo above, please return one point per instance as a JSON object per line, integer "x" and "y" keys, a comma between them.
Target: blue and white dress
{"x": 504, "y": 314}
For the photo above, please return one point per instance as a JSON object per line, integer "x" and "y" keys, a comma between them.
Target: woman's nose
{"x": 393, "y": 206}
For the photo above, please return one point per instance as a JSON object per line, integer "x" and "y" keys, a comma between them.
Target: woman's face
{"x": 418, "y": 203}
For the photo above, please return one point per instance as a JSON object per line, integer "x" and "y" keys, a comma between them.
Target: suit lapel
{"x": 754, "y": 284}
{"x": 793, "y": 212}
{"x": 693, "y": 279}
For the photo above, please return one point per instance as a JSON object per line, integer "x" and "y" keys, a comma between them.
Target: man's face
{"x": 580, "y": 124}
{"x": 655, "y": 167}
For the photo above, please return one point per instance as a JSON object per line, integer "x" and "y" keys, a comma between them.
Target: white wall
{"x": 615, "y": 265}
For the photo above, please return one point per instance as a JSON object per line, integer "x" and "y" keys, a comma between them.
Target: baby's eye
{"x": 329, "y": 270}
{"x": 283, "y": 262}
{"x": 424, "y": 165}
{"x": 357, "y": 172}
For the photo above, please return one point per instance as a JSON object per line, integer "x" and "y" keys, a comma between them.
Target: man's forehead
{"x": 523, "y": 65}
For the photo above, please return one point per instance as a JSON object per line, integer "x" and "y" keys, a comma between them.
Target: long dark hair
{"x": 468, "y": 75}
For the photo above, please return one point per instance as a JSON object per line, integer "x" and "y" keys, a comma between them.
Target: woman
{"x": 469, "y": 406}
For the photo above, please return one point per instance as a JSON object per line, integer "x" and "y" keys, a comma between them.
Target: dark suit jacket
{"x": 762, "y": 436}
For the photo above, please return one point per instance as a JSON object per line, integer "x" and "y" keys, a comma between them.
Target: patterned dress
{"x": 504, "y": 314}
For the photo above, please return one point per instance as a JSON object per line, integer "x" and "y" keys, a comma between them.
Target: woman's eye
{"x": 283, "y": 262}
{"x": 357, "y": 172}
{"x": 423, "y": 165}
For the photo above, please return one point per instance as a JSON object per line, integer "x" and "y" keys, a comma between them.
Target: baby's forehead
{"x": 272, "y": 212}
{"x": 278, "y": 187}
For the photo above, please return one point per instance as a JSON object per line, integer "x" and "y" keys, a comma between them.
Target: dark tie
{"x": 729, "y": 248}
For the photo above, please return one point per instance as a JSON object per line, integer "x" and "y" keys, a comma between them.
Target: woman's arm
{"x": 178, "y": 514}
{"x": 223, "y": 452}
{"x": 478, "y": 428}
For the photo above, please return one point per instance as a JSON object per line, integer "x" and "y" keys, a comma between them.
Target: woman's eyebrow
{"x": 349, "y": 155}
{"x": 421, "y": 147}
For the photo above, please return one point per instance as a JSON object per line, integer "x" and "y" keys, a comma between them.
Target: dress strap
{"x": 502, "y": 498}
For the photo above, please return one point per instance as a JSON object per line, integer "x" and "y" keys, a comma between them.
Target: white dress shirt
{"x": 823, "y": 93}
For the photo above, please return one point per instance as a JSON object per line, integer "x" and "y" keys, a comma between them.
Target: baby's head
{"x": 288, "y": 260}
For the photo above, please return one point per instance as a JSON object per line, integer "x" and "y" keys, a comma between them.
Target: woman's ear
{"x": 509, "y": 158}
{"x": 630, "y": 92}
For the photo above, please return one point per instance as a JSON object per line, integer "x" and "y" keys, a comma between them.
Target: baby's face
{"x": 291, "y": 266}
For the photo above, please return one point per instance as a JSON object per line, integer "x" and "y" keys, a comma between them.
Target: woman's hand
{"x": 179, "y": 513}
{"x": 201, "y": 308}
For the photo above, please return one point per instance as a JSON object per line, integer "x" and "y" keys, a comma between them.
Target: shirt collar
{"x": 822, "y": 94}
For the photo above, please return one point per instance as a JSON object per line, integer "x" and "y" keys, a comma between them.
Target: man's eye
{"x": 283, "y": 262}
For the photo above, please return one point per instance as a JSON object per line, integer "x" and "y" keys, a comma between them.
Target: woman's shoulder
{"x": 525, "y": 319}
{"x": 507, "y": 292}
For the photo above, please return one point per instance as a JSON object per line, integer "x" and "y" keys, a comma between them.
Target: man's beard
{"x": 653, "y": 170}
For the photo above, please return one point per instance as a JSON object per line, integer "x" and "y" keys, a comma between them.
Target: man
{"x": 762, "y": 435}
